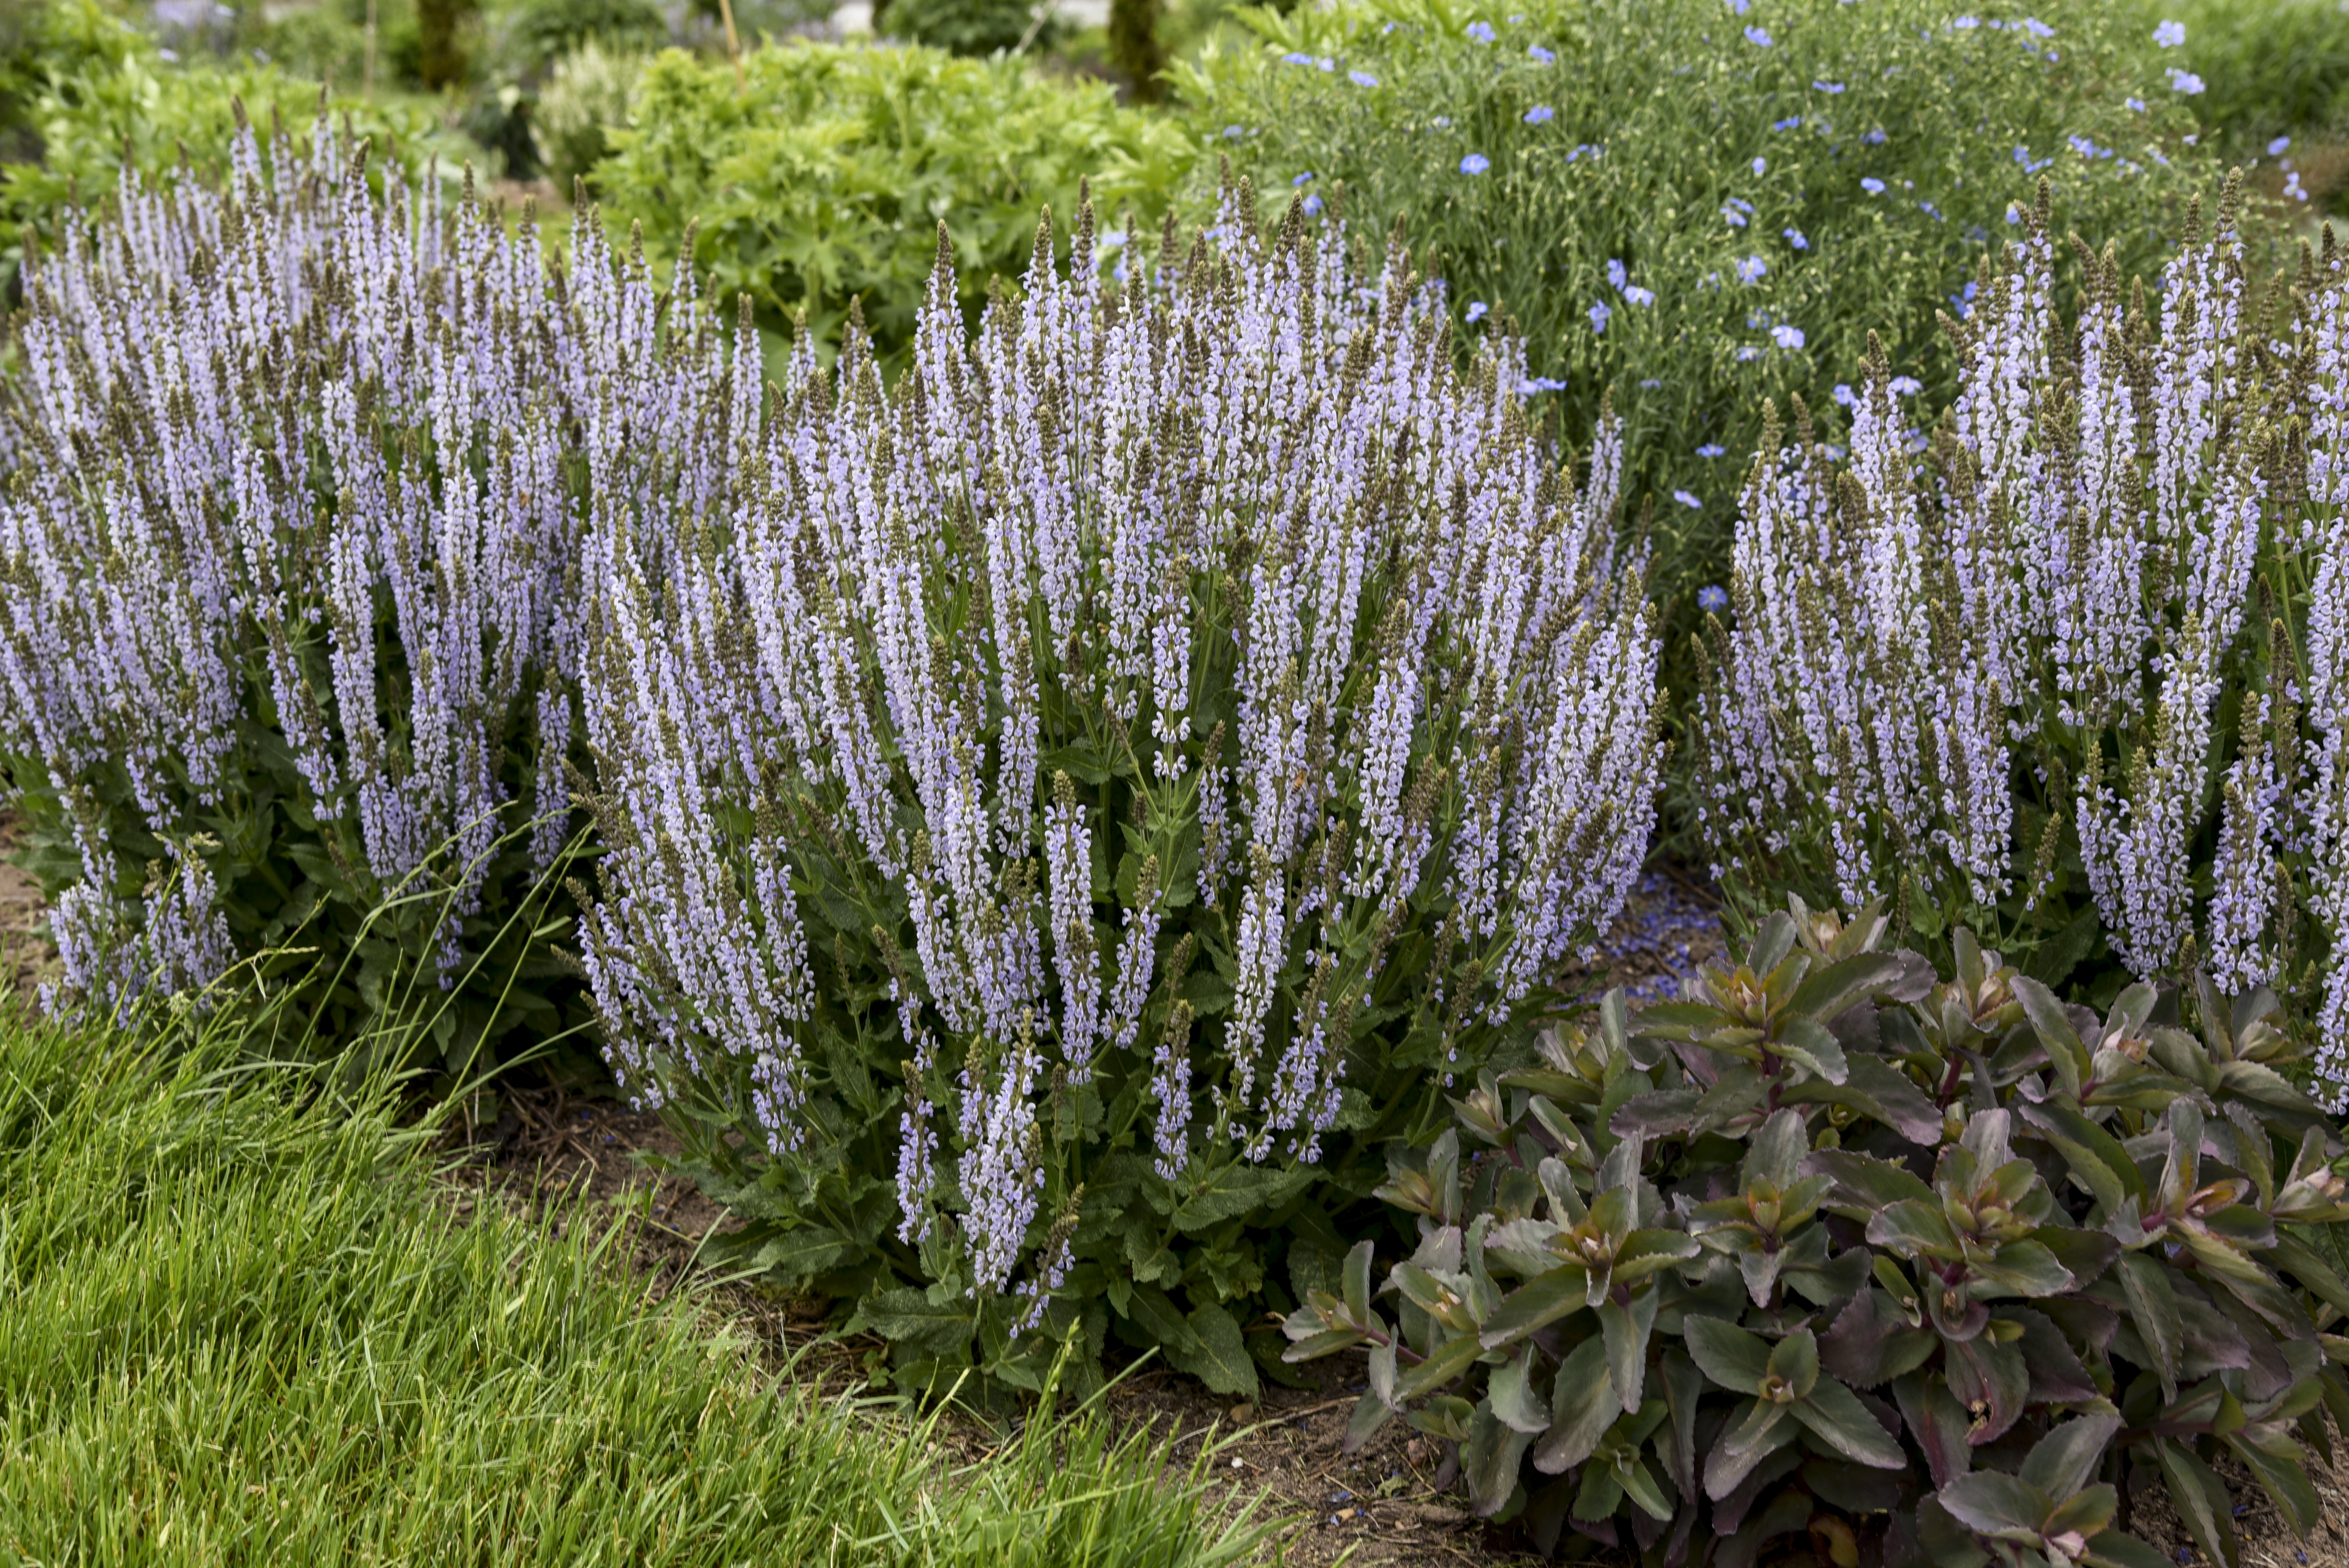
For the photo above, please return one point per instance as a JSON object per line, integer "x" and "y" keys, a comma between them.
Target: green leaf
{"x": 2059, "y": 1463}
{"x": 1836, "y": 1414}
{"x": 1239, "y": 1189}
{"x": 1866, "y": 1183}
{"x": 2001, "y": 1507}
{"x": 2111, "y": 1549}
{"x": 1358, "y": 1282}
{"x": 1913, "y": 1228}
{"x": 1762, "y": 1431}
{"x": 1732, "y": 1358}
{"x": 1624, "y": 1331}
{"x": 2282, "y": 1470}
{"x": 906, "y": 1316}
{"x": 1825, "y": 993}
{"x": 1451, "y": 1358}
{"x": 1938, "y": 1422}
{"x": 1489, "y": 1461}
{"x": 2199, "y": 1498}
{"x": 1582, "y": 1406}
{"x": 1794, "y": 1360}
{"x": 2153, "y": 1312}
{"x": 1511, "y": 1391}
{"x": 1220, "y": 1358}
{"x": 1536, "y": 1303}
{"x": 1640, "y": 1488}
{"x": 2022, "y": 1268}
{"x": 1370, "y": 1414}
{"x": 802, "y": 1253}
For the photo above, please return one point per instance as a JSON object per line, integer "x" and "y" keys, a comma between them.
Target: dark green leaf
{"x": 1221, "y": 1359}
{"x": 1734, "y": 1359}
{"x": 2059, "y": 1463}
{"x": 2001, "y": 1507}
{"x": 1836, "y": 1414}
{"x": 906, "y": 1316}
{"x": 1582, "y": 1406}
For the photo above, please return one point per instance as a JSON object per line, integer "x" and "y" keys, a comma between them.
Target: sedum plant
{"x": 1086, "y": 797}
{"x": 2067, "y": 672}
{"x": 1915, "y": 1271}
{"x": 297, "y": 479}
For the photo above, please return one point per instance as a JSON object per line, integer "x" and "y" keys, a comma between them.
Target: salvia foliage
{"x": 1090, "y": 792}
{"x": 299, "y": 479}
{"x": 1914, "y": 1271}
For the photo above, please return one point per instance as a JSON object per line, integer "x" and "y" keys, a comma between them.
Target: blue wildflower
{"x": 1794, "y": 238}
{"x": 1757, "y": 37}
{"x": 1789, "y": 123}
{"x": 1540, "y": 114}
{"x": 1710, "y": 449}
{"x": 1302, "y": 177}
{"x": 2279, "y": 146}
{"x": 1685, "y": 499}
{"x": 2169, "y": 35}
{"x": 1751, "y": 270}
{"x": 1761, "y": 165}
{"x": 1872, "y": 185}
{"x": 1713, "y": 599}
{"x": 1362, "y": 78}
{"x": 1826, "y": 87}
{"x": 1906, "y": 386}
{"x": 1542, "y": 56}
{"x": 1787, "y": 336}
{"x": 1638, "y": 295}
{"x": 1481, "y": 31}
{"x": 1474, "y": 163}
{"x": 1476, "y": 311}
{"x": 1598, "y": 314}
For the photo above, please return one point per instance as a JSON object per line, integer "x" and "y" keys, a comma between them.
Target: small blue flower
{"x": 1361, "y": 78}
{"x": 1710, "y": 450}
{"x": 1540, "y": 114}
{"x": 1736, "y": 218}
{"x": 1476, "y": 310}
{"x": 1481, "y": 31}
{"x": 1444, "y": 122}
{"x": 1966, "y": 24}
{"x": 1826, "y": 87}
{"x": 1542, "y": 56}
{"x": 1295, "y": 60}
{"x": 1757, "y": 37}
{"x": 2136, "y": 103}
{"x": 1302, "y": 177}
{"x": 1651, "y": 383}
{"x": 1313, "y": 206}
{"x": 1615, "y": 272}
{"x": 1872, "y": 185}
{"x": 1845, "y": 395}
{"x": 1598, "y": 314}
{"x": 1787, "y": 336}
{"x": 2185, "y": 82}
{"x": 1713, "y": 599}
{"x": 2169, "y": 35}
{"x": 1875, "y": 137}
{"x": 2277, "y": 148}
{"x": 1739, "y": 7}
{"x": 1687, "y": 499}
{"x": 1748, "y": 352}
{"x": 1751, "y": 270}
{"x": 2037, "y": 28}
{"x": 1760, "y": 166}
{"x": 1638, "y": 295}
{"x": 1532, "y": 385}
{"x": 1326, "y": 62}
{"x": 1906, "y": 386}
{"x": 1794, "y": 238}
{"x": 1474, "y": 163}
{"x": 1789, "y": 123}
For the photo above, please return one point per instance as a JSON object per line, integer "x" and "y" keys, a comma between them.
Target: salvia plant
{"x": 2068, "y": 672}
{"x": 298, "y": 478}
{"x": 1915, "y": 1271}
{"x": 1086, "y": 795}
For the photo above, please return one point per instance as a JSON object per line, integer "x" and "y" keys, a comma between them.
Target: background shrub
{"x": 825, "y": 180}
{"x": 1098, "y": 786}
{"x": 2269, "y": 68}
{"x": 970, "y": 27}
{"x": 1914, "y": 1269}
{"x": 585, "y": 101}
{"x": 1701, "y": 205}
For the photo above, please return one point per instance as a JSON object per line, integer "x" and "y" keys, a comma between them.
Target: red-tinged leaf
{"x": 1761, "y": 1430}
{"x": 2057, "y": 1374}
{"x": 1865, "y": 1183}
{"x": 1989, "y": 1378}
{"x": 2153, "y": 1312}
{"x": 2059, "y": 1463}
{"x": 1536, "y": 1303}
{"x": 2002, "y": 1507}
{"x": 1872, "y": 1342}
{"x": 2200, "y": 1500}
{"x": 1826, "y": 992}
{"x": 2114, "y": 1550}
{"x": 1938, "y": 1423}
{"x": 1369, "y": 1415}
{"x": 1912, "y": 1229}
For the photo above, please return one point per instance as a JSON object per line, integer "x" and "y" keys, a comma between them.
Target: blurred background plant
{"x": 826, "y": 177}
{"x": 1698, "y": 205}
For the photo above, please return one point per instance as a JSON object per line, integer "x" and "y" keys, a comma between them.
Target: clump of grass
{"x": 238, "y": 1324}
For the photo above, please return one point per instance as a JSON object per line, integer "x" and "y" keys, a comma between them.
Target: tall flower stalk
{"x": 2081, "y": 641}
{"x": 1085, "y": 793}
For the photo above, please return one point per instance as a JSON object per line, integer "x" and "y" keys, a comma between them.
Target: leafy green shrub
{"x": 1098, "y": 786}
{"x": 1701, "y": 205}
{"x": 586, "y": 98}
{"x": 971, "y": 27}
{"x": 2269, "y": 68}
{"x": 289, "y": 618}
{"x": 533, "y": 34}
{"x": 2071, "y": 677}
{"x": 103, "y": 91}
{"x": 826, "y": 178}
{"x": 1920, "y": 1269}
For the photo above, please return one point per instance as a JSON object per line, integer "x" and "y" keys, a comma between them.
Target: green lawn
{"x": 237, "y": 1328}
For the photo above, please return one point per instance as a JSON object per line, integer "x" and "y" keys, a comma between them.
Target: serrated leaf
{"x": 2002, "y": 1507}
{"x": 2199, "y": 1498}
{"x": 1512, "y": 1397}
{"x": 1827, "y": 991}
{"x": 2153, "y": 1312}
{"x": 906, "y": 1316}
{"x": 1582, "y": 1406}
{"x": 1938, "y": 1423}
{"x": 1624, "y": 1331}
{"x": 1239, "y": 1189}
{"x": 1753, "y": 1436}
{"x": 2059, "y": 1463}
{"x": 1451, "y": 1358}
{"x": 1539, "y": 1302}
{"x": 1864, "y": 1182}
{"x": 1220, "y": 1358}
{"x": 1489, "y": 1461}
